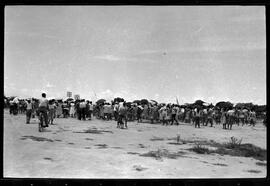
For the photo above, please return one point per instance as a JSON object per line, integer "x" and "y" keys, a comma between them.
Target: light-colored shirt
{"x": 91, "y": 107}
{"x": 43, "y": 102}
{"x": 29, "y": 106}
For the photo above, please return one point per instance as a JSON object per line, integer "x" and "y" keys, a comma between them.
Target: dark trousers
{"x": 174, "y": 118}
{"x": 139, "y": 118}
{"x": 28, "y": 115}
{"x": 44, "y": 111}
{"x": 83, "y": 113}
{"x": 164, "y": 121}
{"x": 210, "y": 120}
{"x": 51, "y": 116}
{"x": 115, "y": 113}
{"x": 90, "y": 114}
{"x": 197, "y": 121}
{"x": 120, "y": 122}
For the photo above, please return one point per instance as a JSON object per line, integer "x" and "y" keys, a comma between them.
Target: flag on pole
{"x": 177, "y": 101}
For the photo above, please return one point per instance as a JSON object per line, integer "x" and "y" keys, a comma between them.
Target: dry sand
{"x": 64, "y": 151}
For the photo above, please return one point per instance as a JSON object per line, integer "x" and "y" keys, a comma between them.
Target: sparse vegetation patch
{"x": 261, "y": 163}
{"x": 232, "y": 148}
{"x": 34, "y": 138}
{"x": 163, "y": 153}
{"x": 94, "y": 131}
{"x": 157, "y": 139}
{"x": 254, "y": 171}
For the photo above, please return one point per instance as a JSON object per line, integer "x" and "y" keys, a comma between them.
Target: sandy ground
{"x": 66, "y": 152}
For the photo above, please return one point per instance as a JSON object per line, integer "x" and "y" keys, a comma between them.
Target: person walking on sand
{"x": 91, "y": 108}
{"x": 223, "y": 118}
{"x": 163, "y": 114}
{"x": 83, "y": 109}
{"x": 29, "y": 109}
{"x": 115, "y": 111}
{"x": 209, "y": 117}
{"x": 252, "y": 116}
{"x": 197, "y": 117}
{"x": 51, "y": 111}
{"x": 72, "y": 110}
{"x": 139, "y": 113}
{"x": 43, "y": 108}
{"x": 174, "y": 111}
{"x": 122, "y": 118}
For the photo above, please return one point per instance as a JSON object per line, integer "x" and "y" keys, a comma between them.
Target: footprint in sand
{"x": 48, "y": 159}
{"x": 139, "y": 168}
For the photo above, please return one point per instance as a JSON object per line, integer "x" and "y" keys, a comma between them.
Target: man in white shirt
{"x": 44, "y": 107}
{"x": 29, "y": 109}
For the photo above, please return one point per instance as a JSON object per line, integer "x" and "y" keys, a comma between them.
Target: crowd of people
{"x": 122, "y": 112}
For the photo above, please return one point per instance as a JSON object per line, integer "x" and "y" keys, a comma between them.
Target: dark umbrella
{"x": 118, "y": 99}
{"x": 155, "y": 102}
{"x": 137, "y": 101}
{"x": 144, "y": 101}
{"x": 69, "y": 99}
{"x": 128, "y": 104}
{"x": 11, "y": 97}
{"x": 100, "y": 101}
{"x": 224, "y": 105}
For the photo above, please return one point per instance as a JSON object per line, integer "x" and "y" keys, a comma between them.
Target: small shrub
{"x": 198, "y": 148}
{"x": 220, "y": 164}
{"x": 163, "y": 153}
{"x": 254, "y": 171}
{"x": 156, "y": 139}
{"x": 261, "y": 163}
{"x": 233, "y": 143}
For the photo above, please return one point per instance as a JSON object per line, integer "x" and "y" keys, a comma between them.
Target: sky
{"x": 212, "y": 53}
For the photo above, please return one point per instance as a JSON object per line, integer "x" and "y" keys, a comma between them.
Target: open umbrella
{"x": 118, "y": 99}
{"x": 137, "y": 101}
{"x": 128, "y": 104}
{"x": 69, "y": 99}
{"x": 144, "y": 101}
{"x": 100, "y": 101}
{"x": 154, "y": 102}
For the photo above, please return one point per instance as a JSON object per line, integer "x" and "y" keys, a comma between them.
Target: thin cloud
{"x": 108, "y": 57}
{"x": 49, "y": 85}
